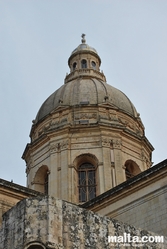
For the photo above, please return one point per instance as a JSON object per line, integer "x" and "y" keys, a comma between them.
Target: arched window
{"x": 83, "y": 64}
{"x": 74, "y": 66}
{"x": 41, "y": 179}
{"x": 131, "y": 169}
{"x": 93, "y": 64}
{"x": 86, "y": 182}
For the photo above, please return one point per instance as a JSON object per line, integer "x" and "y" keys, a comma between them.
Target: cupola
{"x": 84, "y": 62}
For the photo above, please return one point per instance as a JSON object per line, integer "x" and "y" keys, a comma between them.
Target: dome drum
{"x": 86, "y": 115}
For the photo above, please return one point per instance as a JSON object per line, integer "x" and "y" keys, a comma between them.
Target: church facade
{"x": 88, "y": 152}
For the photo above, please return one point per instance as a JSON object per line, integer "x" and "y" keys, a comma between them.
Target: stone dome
{"x": 89, "y": 92}
{"x": 86, "y": 85}
{"x": 83, "y": 47}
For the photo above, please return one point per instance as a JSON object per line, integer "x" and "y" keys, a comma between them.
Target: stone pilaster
{"x": 119, "y": 172}
{"x": 64, "y": 170}
{"x": 100, "y": 179}
{"x": 106, "y": 142}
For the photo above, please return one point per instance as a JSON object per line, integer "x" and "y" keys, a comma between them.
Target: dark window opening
{"x": 87, "y": 182}
{"x": 93, "y": 64}
{"x": 83, "y": 64}
{"x": 131, "y": 169}
{"x": 74, "y": 66}
{"x": 35, "y": 247}
{"x": 46, "y": 184}
{"x": 128, "y": 174}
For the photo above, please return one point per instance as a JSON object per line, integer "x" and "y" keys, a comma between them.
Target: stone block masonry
{"x": 51, "y": 223}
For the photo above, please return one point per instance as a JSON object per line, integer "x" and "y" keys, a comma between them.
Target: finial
{"x": 83, "y": 38}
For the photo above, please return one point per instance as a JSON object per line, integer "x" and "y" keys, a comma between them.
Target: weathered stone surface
{"x": 54, "y": 223}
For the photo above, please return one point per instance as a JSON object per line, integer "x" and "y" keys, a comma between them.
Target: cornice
{"x": 15, "y": 190}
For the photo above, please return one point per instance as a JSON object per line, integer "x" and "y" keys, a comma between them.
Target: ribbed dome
{"x": 83, "y": 47}
{"x": 86, "y": 85}
{"x": 87, "y": 90}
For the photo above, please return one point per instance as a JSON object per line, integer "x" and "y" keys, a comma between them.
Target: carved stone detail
{"x": 117, "y": 143}
{"x": 64, "y": 144}
{"x": 54, "y": 148}
{"x": 106, "y": 142}
{"x": 108, "y": 114}
{"x": 57, "y": 147}
{"x": 58, "y": 121}
{"x": 85, "y": 115}
{"x": 130, "y": 125}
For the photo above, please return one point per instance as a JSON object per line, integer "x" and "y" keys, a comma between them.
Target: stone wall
{"x": 54, "y": 223}
{"x": 148, "y": 212}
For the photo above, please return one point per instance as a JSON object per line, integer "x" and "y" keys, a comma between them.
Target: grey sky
{"x": 36, "y": 39}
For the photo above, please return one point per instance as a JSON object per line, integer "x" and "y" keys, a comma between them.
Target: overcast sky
{"x": 36, "y": 40}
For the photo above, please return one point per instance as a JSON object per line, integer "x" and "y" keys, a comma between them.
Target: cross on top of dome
{"x": 83, "y": 38}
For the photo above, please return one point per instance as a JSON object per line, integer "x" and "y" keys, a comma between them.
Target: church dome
{"x": 86, "y": 85}
{"x": 87, "y": 136}
{"x": 86, "y": 91}
{"x": 83, "y": 47}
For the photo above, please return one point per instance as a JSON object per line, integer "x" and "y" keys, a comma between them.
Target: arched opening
{"x": 83, "y": 64}
{"x": 86, "y": 182}
{"x": 93, "y": 64}
{"x": 86, "y": 170}
{"x": 35, "y": 247}
{"x": 74, "y": 66}
{"x": 131, "y": 169}
{"x": 41, "y": 179}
